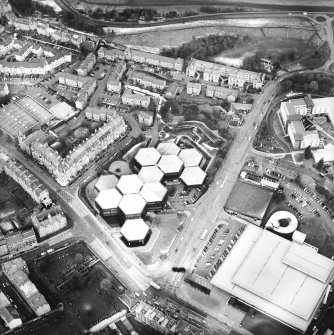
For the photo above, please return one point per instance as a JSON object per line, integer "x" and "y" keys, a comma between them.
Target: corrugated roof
{"x": 147, "y": 156}
{"x": 150, "y": 174}
{"x": 108, "y": 199}
{"x": 193, "y": 176}
{"x": 134, "y": 230}
{"x": 129, "y": 184}
{"x": 190, "y": 157}
{"x": 153, "y": 192}
{"x": 170, "y": 164}
{"x": 132, "y": 204}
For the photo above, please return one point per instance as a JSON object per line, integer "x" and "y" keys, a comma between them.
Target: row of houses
{"x": 135, "y": 99}
{"x": 142, "y": 57}
{"x": 65, "y": 169}
{"x": 86, "y": 65}
{"x": 100, "y": 113}
{"x": 114, "y": 81}
{"x": 8, "y": 313}
{"x": 17, "y": 272}
{"x": 148, "y": 81}
{"x": 217, "y": 73}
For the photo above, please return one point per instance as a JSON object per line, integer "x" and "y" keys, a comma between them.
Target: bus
{"x": 204, "y": 234}
{"x": 153, "y": 284}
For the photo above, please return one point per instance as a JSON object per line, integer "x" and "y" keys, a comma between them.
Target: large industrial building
{"x": 129, "y": 184}
{"x": 190, "y": 157}
{"x": 106, "y": 182}
{"x": 168, "y": 148}
{"x": 150, "y": 174}
{"x": 147, "y": 157}
{"x": 132, "y": 206}
{"x": 155, "y": 194}
{"x": 107, "y": 201}
{"x": 170, "y": 165}
{"x": 280, "y": 278}
{"x": 193, "y": 176}
{"x": 135, "y": 232}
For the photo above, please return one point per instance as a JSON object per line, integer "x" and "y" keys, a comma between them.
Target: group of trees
{"x": 318, "y": 57}
{"x": 213, "y": 10}
{"x": 71, "y": 21}
{"x": 28, "y": 7}
{"x": 204, "y": 47}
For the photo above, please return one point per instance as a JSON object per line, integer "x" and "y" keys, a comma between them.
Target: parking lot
{"x": 218, "y": 246}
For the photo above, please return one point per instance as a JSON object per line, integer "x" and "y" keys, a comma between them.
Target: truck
{"x": 204, "y": 234}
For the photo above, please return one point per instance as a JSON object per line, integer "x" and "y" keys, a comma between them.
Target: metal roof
{"x": 134, "y": 229}
{"x": 129, "y": 184}
{"x": 150, "y": 174}
{"x": 147, "y": 156}
{"x": 153, "y": 192}
{"x": 192, "y": 176}
{"x": 284, "y": 279}
{"x": 170, "y": 164}
{"x": 106, "y": 182}
{"x": 168, "y": 148}
{"x": 108, "y": 199}
{"x": 132, "y": 204}
{"x": 190, "y": 157}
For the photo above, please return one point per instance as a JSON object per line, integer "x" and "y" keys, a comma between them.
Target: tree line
{"x": 204, "y": 47}
{"x": 28, "y": 7}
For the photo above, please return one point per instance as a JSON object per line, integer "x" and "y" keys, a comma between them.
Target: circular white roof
{"x": 276, "y": 220}
{"x": 190, "y": 157}
{"x": 134, "y": 230}
{"x": 150, "y": 174}
{"x": 153, "y": 192}
{"x": 147, "y": 156}
{"x": 108, "y": 199}
{"x": 106, "y": 182}
{"x": 170, "y": 164}
{"x": 132, "y": 204}
{"x": 129, "y": 184}
{"x": 193, "y": 176}
{"x": 168, "y": 148}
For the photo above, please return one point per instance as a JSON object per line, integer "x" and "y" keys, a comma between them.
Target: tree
{"x": 308, "y": 153}
{"x": 298, "y": 180}
{"x": 320, "y": 164}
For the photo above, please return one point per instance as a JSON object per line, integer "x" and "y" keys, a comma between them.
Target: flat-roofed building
{"x": 147, "y": 157}
{"x": 190, "y": 157}
{"x": 194, "y": 88}
{"x": 168, "y": 148}
{"x": 280, "y": 278}
{"x": 132, "y": 206}
{"x": 150, "y": 174}
{"x": 301, "y": 138}
{"x": 193, "y": 176}
{"x": 135, "y": 232}
{"x": 129, "y": 184}
{"x": 170, "y": 165}
{"x": 106, "y": 182}
{"x": 107, "y": 201}
{"x": 155, "y": 194}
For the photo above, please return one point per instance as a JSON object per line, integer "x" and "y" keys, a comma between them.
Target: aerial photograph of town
{"x": 167, "y": 167}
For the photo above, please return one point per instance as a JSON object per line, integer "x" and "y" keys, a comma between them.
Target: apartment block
{"x": 221, "y": 93}
{"x": 147, "y": 80}
{"x": 86, "y": 65}
{"x": 21, "y": 241}
{"x": 114, "y": 83}
{"x": 194, "y": 88}
{"x": 100, "y": 113}
{"x": 134, "y": 99}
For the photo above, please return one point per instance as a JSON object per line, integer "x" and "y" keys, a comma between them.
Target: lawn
{"x": 5, "y": 196}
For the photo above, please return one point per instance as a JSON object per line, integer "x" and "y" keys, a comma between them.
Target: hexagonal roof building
{"x": 147, "y": 156}
{"x": 170, "y": 164}
{"x": 150, "y": 174}
{"x": 168, "y": 148}
{"x": 193, "y": 176}
{"x": 153, "y": 192}
{"x": 190, "y": 157}
{"x": 129, "y": 184}
{"x": 108, "y": 199}
{"x": 106, "y": 182}
{"x": 135, "y": 230}
{"x": 132, "y": 205}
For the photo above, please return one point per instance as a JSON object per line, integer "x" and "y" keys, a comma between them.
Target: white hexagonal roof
{"x": 134, "y": 230}
{"x": 168, "y": 148}
{"x": 153, "y": 192}
{"x": 106, "y": 182}
{"x": 132, "y": 204}
{"x": 193, "y": 176}
{"x": 147, "y": 156}
{"x": 129, "y": 184}
{"x": 108, "y": 199}
{"x": 150, "y": 174}
{"x": 190, "y": 157}
{"x": 170, "y": 164}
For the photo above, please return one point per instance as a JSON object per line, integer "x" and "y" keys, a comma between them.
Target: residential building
{"x": 86, "y": 65}
{"x": 65, "y": 169}
{"x": 110, "y": 54}
{"x": 172, "y": 90}
{"x": 21, "y": 241}
{"x": 49, "y": 221}
{"x": 114, "y": 83}
{"x": 100, "y": 113}
{"x": 148, "y": 80}
{"x": 135, "y": 99}
{"x": 146, "y": 118}
{"x": 28, "y": 182}
{"x": 217, "y": 72}
{"x": 241, "y": 108}
{"x": 300, "y": 138}
{"x": 193, "y": 88}
{"x": 221, "y": 93}
{"x": 10, "y": 316}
